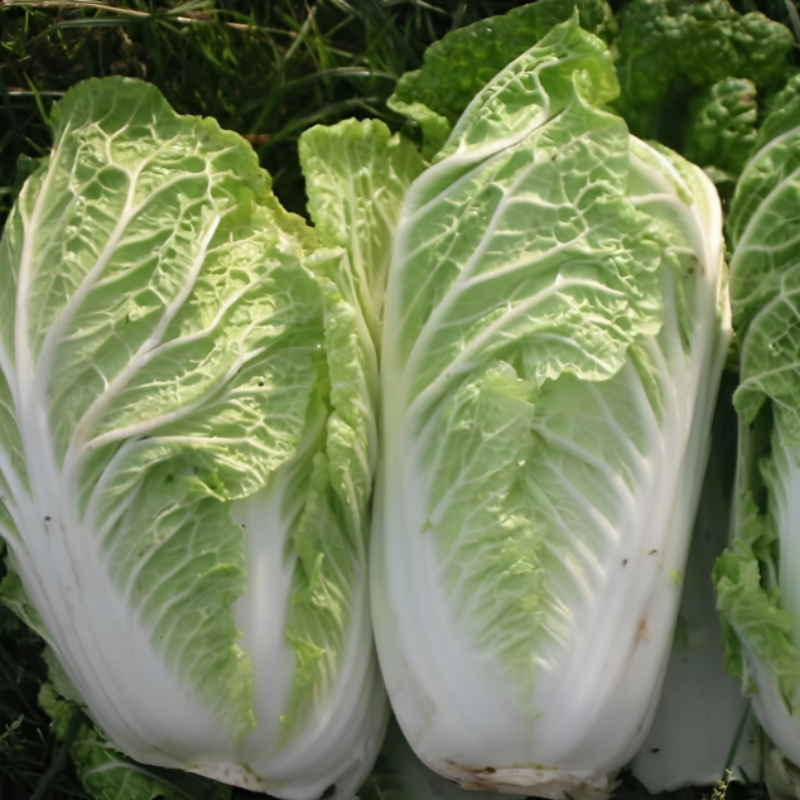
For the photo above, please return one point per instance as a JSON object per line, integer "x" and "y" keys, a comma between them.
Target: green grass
{"x": 268, "y": 73}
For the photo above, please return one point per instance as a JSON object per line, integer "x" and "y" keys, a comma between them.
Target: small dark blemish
{"x": 624, "y": 562}
{"x": 329, "y": 792}
{"x": 489, "y": 770}
{"x": 47, "y": 519}
{"x": 652, "y": 552}
{"x": 656, "y": 750}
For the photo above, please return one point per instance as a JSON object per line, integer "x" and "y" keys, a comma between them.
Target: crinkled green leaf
{"x": 533, "y": 88}
{"x": 357, "y": 174}
{"x": 765, "y": 271}
{"x": 459, "y": 65}
{"x": 754, "y": 613}
{"x": 667, "y": 49}
{"x": 329, "y": 536}
{"x": 722, "y": 125}
{"x": 590, "y": 240}
{"x": 435, "y": 128}
{"x": 770, "y": 358}
{"x": 762, "y": 46}
{"x": 783, "y": 113}
{"x": 771, "y": 169}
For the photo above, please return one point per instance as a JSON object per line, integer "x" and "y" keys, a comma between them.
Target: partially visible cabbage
{"x": 758, "y": 579}
{"x": 704, "y": 731}
{"x": 555, "y": 327}
{"x": 187, "y": 443}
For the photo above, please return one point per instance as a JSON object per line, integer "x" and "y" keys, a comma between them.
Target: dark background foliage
{"x": 268, "y": 70}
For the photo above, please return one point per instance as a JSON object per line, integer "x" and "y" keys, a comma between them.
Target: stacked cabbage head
{"x": 186, "y": 451}
{"x": 554, "y": 332}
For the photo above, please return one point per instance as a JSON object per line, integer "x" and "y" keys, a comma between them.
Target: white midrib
{"x": 41, "y": 504}
{"x": 363, "y": 289}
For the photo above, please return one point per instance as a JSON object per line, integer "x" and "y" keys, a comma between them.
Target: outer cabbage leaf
{"x": 357, "y": 174}
{"x": 186, "y": 450}
{"x": 783, "y": 109}
{"x": 701, "y": 42}
{"x": 702, "y": 727}
{"x": 460, "y": 64}
{"x": 758, "y": 605}
{"x": 555, "y": 326}
{"x": 757, "y": 586}
{"x": 696, "y": 76}
{"x": 721, "y": 130}
{"x": 765, "y": 275}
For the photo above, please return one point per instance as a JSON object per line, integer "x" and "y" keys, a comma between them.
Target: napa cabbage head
{"x": 758, "y": 591}
{"x": 187, "y": 443}
{"x": 555, "y": 324}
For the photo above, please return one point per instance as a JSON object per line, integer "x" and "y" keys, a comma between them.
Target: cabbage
{"x": 187, "y": 443}
{"x": 554, "y": 331}
{"x": 704, "y": 731}
{"x": 758, "y": 592}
